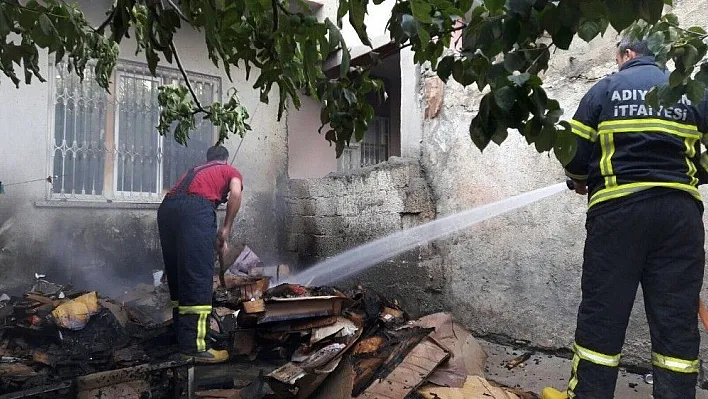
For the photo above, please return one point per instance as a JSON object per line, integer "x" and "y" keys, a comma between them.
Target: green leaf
{"x": 532, "y": 129}
{"x": 676, "y": 78}
{"x": 696, "y": 91}
{"x": 357, "y": 13}
{"x": 550, "y": 18}
{"x": 46, "y": 24}
{"x": 421, "y": 11}
{"x": 510, "y": 35}
{"x": 649, "y": 10}
{"x": 342, "y": 10}
{"x": 477, "y": 134}
{"x": 652, "y": 98}
{"x": 465, "y": 5}
{"x": 655, "y": 41}
{"x": 697, "y": 29}
{"x": 620, "y": 13}
{"x": 463, "y": 73}
{"x": 544, "y": 142}
{"x": 520, "y": 79}
{"x": 565, "y": 145}
{"x": 513, "y": 62}
{"x": 505, "y": 98}
{"x": 349, "y": 96}
{"x": 593, "y": 9}
{"x": 494, "y": 5}
{"x": 669, "y": 95}
{"x": 690, "y": 58}
{"x": 445, "y": 67}
{"x": 672, "y": 19}
{"x": 563, "y": 37}
{"x": 520, "y": 7}
{"x": 702, "y": 75}
{"x": 588, "y": 30}
{"x": 4, "y": 25}
{"x": 424, "y": 36}
{"x": 500, "y": 135}
{"x": 554, "y": 115}
{"x": 483, "y": 125}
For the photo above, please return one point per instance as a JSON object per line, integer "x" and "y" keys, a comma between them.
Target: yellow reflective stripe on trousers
{"x": 607, "y": 145}
{"x": 649, "y": 125}
{"x": 198, "y": 309}
{"x": 574, "y": 380}
{"x": 675, "y": 364}
{"x": 690, "y": 153}
{"x": 596, "y": 357}
{"x": 175, "y": 304}
{"x": 583, "y": 130}
{"x": 626, "y": 189}
{"x": 201, "y": 331}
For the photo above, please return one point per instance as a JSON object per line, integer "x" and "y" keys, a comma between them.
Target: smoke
{"x": 70, "y": 261}
{"x": 91, "y": 250}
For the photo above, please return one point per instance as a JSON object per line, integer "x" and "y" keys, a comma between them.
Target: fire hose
{"x": 702, "y": 310}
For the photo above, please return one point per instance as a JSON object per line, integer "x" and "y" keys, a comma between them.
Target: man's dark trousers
{"x": 187, "y": 225}
{"x": 658, "y": 242}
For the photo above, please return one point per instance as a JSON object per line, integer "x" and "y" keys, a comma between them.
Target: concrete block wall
{"x": 332, "y": 214}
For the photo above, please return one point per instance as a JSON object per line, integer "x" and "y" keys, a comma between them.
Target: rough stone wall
{"x": 341, "y": 211}
{"x": 518, "y": 275}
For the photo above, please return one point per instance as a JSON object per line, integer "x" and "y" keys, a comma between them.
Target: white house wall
{"x": 102, "y": 245}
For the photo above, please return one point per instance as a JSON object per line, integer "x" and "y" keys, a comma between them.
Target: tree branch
{"x": 106, "y": 22}
{"x": 186, "y": 80}
{"x": 179, "y": 11}
{"x": 543, "y": 51}
{"x": 410, "y": 43}
{"x": 20, "y": 6}
{"x": 275, "y": 4}
{"x": 698, "y": 35}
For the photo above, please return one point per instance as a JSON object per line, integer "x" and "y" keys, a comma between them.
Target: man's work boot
{"x": 552, "y": 393}
{"x": 209, "y": 356}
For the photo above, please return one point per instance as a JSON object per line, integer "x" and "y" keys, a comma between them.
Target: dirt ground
{"x": 542, "y": 370}
{"x": 537, "y": 372}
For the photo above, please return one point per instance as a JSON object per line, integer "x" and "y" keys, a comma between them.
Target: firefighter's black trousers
{"x": 187, "y": 225}
{"x": 657, "y": 242}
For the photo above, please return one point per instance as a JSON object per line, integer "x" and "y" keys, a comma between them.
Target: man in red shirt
{"x": 188, "y": 232}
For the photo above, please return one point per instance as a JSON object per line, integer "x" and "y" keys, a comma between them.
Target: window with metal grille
{"x": 105, "y": 146}
{"x": 374, "y": 146}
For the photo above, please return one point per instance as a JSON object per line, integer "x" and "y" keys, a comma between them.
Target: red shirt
{"x": 211, "y": 183}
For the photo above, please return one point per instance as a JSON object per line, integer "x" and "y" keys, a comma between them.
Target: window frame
{"x": 110, "y": 193}
{"x": 116, "y": 139}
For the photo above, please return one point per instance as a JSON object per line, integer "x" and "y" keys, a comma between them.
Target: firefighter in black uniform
{"x": 640, "y": 167}
{"x": 188, "y": 236}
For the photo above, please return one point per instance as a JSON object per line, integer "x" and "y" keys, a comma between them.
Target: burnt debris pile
{"x": 285, "y": 341}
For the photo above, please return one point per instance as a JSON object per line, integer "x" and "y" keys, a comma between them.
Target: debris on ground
{"x": 519, "y": 360}
{"x": 318, "y": 342}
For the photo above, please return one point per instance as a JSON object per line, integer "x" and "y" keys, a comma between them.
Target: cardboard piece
{"x": 343, "y": 328}
{"x": 474, "y": 387}
{"x": 467, "y": 357}
{"x": 281, "y": 309}
{"x": 410, "y": 374}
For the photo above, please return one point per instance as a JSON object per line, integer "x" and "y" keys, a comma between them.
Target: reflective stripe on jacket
{"x": 625, "y": 146}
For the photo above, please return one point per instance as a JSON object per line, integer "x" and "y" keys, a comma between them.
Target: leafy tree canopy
{"x": 506, "y": 44}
